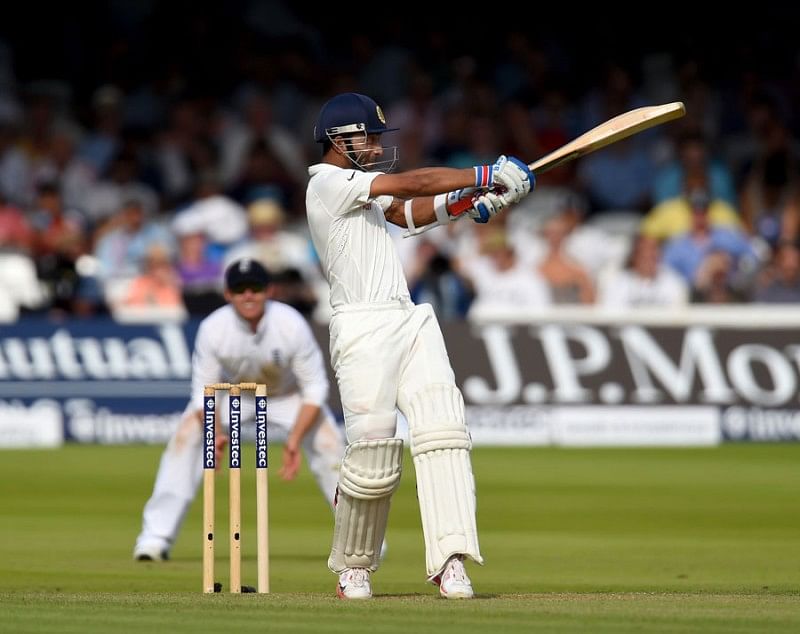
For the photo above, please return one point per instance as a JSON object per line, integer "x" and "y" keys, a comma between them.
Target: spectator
{"x": 502, "y": 282}
{"x": 271, "y": 244}
{"x": 19, "y": 285}
{"x": 122, "y": 249}
{"x": 62, "y": 165}
{"x": 104, "y": 197}
{"x": 14, "y": 165}
{"x": 619, "y": 178}
{"x": 644, "y": 281}
{"x": 686, "y": 253}
{"x": 694, "y": 167}
{"x": 222, "y": 219}
{"x": 569, "y": 282}
{"x": 673, "y": 217}
{"x": 433, "y": 279}
{"x": 267, "y": 146}
{"x": 782, "y": 283}
{"x": 771, "y": 199}
{"x": 183, "y": 151}
{"x": 59, "y": 241}
{"x": 291, "y": 288}
{"x": 101, "y": 145}
{"x": 198, "y": 272}
{"x": 16, "y": 234}
{"x": 714, "y": 282}
{"x": 158, "y": 286}
{"x": 420, "y": 111}
{"x": 53, "y": 225}
{"x": 588, "y": 244}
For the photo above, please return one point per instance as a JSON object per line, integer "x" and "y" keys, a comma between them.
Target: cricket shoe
{"x": 152, "y": 551}
{"x": 354, "y": 584}
{"x": 453, "y": 581}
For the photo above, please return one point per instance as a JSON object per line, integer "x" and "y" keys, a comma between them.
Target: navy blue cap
{"x": 246, "y": 272}
{"x": 347, "y": 113}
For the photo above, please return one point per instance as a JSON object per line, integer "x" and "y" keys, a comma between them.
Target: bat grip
{"x": 460, "y": 206}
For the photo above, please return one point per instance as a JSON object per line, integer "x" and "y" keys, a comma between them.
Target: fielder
{"x": 389, "y": 354}
{"x": 252, "y": 339}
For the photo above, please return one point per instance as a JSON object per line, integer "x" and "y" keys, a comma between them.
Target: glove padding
{"x": 458, "y": 194}
{"x": 514, "y": 176}
{"x": 508, "y": 173}
{"x": 487, "y": 204}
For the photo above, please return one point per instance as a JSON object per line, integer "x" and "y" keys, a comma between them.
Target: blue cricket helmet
{"x": 349, "y": 112}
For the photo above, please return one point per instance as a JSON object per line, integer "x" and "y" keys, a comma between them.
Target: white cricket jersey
{"x": 282, "y": 353}
{"x": 349, "y": 232}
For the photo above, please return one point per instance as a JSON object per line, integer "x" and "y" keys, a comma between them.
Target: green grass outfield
{"x": 578, "y": 540}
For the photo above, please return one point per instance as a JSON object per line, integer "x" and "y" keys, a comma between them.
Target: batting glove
{"x": 508, "y": 173}
{"x": 487, "y": 204}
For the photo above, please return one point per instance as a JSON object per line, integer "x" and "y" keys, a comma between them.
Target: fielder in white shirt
{"x": 389, "y": 354}
{"x": 252, "y": 339}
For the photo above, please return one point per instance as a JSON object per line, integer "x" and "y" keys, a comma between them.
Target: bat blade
{"x": 616, "y": 129}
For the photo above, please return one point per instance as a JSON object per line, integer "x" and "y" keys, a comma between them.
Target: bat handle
{"x": 460, "y": 206}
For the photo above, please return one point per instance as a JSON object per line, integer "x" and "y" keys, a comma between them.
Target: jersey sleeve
{"x": 346, "y": 191}
{"x": 308, "y": 366}
{"x": 206, "y": 367}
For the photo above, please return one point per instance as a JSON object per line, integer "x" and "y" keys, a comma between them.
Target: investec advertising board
{"x": 571, "y": 378}
{"x": 95, "y": 380}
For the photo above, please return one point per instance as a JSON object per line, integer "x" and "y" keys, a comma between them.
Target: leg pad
{"x": 440, "y": 446}
{"x": 369, "y": 476}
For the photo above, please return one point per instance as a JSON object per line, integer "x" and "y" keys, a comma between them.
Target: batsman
{"x": 389, "y": 354}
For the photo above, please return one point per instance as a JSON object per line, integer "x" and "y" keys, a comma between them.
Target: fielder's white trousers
{"x": 181, "y": 467}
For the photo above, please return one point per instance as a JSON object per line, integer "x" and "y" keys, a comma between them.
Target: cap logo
{"x": 244, "y": 265}
{"x": 381, "y": 118}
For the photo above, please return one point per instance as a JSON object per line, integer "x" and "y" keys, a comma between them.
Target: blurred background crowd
{"x": 144, "y": 145}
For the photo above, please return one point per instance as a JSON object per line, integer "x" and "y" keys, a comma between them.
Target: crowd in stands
{"x": 133, "y": 204}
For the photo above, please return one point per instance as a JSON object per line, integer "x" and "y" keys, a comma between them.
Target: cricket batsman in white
{"x": 253, "y": 339}
{"x": 389, "y": 354}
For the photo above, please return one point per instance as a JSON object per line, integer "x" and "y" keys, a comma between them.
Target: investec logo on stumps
{"x": 209, "y": 461}
{"x": 235, "y": 423}
{"x": 261, "y": 433}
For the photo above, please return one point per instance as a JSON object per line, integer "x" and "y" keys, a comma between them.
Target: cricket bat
{"x": 620, "y": 127}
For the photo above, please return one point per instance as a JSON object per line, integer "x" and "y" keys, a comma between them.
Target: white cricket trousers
{"x": 392, "y": 356}
{"x": 181, "y": 467}
{"x": 384, "y": 353}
